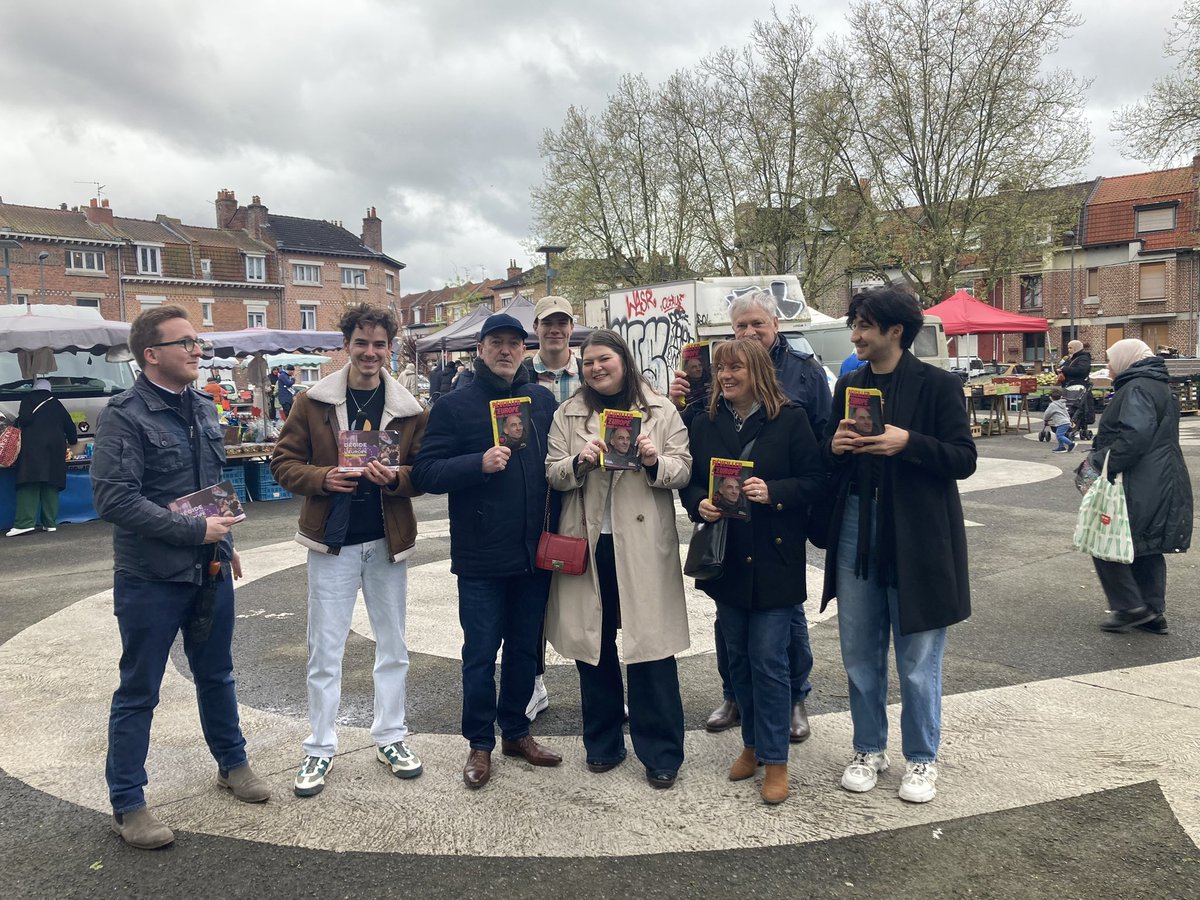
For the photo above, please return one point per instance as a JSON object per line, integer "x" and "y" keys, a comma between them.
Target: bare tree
{"x": 935, "y": 107}
{"x": 1165, "y": 124}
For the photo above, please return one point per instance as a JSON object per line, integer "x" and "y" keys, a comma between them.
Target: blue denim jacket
{"x": 146, "y": 455}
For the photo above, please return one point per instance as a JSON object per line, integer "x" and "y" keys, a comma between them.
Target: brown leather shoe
{"x": 478, "y": 769}
{"x": 799, "y": 732}
{"x": 775, "y": 784}
{"x": 531, "y": 751}
{"x": 744, "y": 766}
{"x": 724, "y": 716}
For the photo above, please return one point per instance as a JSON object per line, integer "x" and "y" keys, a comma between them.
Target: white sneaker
{"x": 310, "y": 780}
{"x": 917, "y": 785}
{"x": 49, "y": 530}
{"x": 539, "y": 702}
{"x": 13, "y": 532}
{"x": 862, "y": 773}
{"x": 404, "y": 763}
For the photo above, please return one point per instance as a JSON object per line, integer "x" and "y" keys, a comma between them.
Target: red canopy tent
{"x": 963, "y": 314}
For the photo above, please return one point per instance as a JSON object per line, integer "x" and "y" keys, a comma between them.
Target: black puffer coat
{"x": 1077, "y": 368}
{"x": 1140, "y": 433}
{"x": 46, "y": 432}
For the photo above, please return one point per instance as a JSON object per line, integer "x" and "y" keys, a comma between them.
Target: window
{"x": 149, "y": 261}
{"x": 308, "y": 318}
{"x": 1152, "y": 281}
{"x": 310, "y": 374}
{"x": 206, "y": 269}
{"x": 206, "y": 307}
{"x": 416, "y": 315}
{"x": 1112, "y": 334}
{"x": 1034, "y": 346}
{"x": 1155, "y": 336}
{"x": 1031, "y": 292}
{"x": 1093, "y": 283}
{"x": 85, "y": 261}
{"x": 150, "y": 302}
{"x": 256, "y": 268}
{"x": 1161, "y": 218}
{"x": 305, "y": 274}
{"x": 88, "y": 302}
{"x": 438, "y": 312}
{"x": 21, "y": 299}
{"x": 389, "y": 282}
{"x": 256, "y": 318}
{"x": 354, "y": 278}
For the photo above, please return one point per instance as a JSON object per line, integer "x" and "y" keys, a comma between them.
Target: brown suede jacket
{"x": 307, "y": 449}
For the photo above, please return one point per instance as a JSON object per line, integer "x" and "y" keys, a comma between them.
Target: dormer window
{"x": 149, "y": 260}
{"x": 256, "y": 268}
{"x": 1156, "y": 218}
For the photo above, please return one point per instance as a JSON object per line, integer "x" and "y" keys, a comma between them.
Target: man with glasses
{"x": 158, "y": 441}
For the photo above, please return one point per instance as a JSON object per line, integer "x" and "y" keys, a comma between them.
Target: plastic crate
{"x": 236, "y": 475}
{"x": 262, "y": 484}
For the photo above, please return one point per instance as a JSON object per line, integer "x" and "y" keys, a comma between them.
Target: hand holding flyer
{"x": 216, "y": 500}
{"x": 512, "y": 422}
{"x": 864, "y": 409}
{"x": 725, "y": 480}
{"x": 620, "y": 428}
{"x": 695, "y": 359}
{"x": 357, "y": 448}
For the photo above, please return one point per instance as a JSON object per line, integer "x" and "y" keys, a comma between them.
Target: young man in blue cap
{"x": 497, "y": 499}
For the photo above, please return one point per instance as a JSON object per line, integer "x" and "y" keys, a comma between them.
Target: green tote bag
{"x": 1102, "y": 529}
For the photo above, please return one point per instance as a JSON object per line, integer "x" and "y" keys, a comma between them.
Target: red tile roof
{"x": 1144, "y": 187}
{"x": 1111, "y": 214}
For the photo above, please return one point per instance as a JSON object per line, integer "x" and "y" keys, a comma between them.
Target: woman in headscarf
{"x": 1139, "y": 433}
{"x": 46, "y": 432}
{"x": 1075, "y": 374}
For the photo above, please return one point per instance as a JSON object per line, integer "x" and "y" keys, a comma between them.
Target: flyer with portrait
{"x": 357, "y": 448}
{"x": 512, "y": 422}
{"x": 216, "y": 500}
{"x": 619, "y": 429}
{"x": 696, "y": 361}
{"x": 725, "y": 480}
{"x": 864, "y": 408}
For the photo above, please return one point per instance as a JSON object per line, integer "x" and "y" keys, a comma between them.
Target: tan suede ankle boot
{"x": 744, "y": 766}
{"x": 775, "y": 784}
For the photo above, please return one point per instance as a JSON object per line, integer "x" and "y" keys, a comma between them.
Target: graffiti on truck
{"x": 656, "y": 325}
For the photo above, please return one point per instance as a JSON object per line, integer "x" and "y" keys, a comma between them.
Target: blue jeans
{"x": 495, "y": 612}
{"x": 800, "y": 657}
{"x": 867, "y": 612}
{"x": 1060, "y": 432}
{"x": 149, "y": 615}
{"x": 655, "y": 706}
{"x": 757, "y": 644}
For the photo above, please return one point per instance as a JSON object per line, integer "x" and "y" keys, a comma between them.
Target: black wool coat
{"x": 764, "y": 558}
{"x": 1139, "y": 432}
{"x": 926, "y": 514}
{"x": 45, "y": 436}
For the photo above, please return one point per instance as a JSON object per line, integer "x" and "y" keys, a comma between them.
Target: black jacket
{"x": 1139, "y": 432}
{"x": 926, "y": 517}
{"x": 147, "y": 455}
{"x": 803, "y": 380}
{"x": 1077, "y": 368}
{"x": 45, "y": 435}
{"x": 764, "y": 558}
{"x": 495, "y": 520}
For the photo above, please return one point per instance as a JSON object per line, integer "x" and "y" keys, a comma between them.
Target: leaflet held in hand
{"x": 619, "y": 429}
{"x": 512, "y": 422}
{"x": 357, "y": 448}
{"x": 215, "y": 500}
{"x": 864, "y": 408}
{"x": 725, "y": 480}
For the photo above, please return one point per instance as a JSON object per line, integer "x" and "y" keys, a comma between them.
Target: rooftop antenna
{"x": 99, "y": 187}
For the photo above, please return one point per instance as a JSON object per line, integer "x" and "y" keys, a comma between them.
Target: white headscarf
{"x": 1125, "y": 353}
{"x": 1074, "y": 347}
{"x": 41, "y": 385}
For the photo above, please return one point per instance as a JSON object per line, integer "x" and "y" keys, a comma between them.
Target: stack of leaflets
{"x": 696, "y": 361}
{"x": 357, "y": 448}
{"x": 512, "y": 422}
{"x": 725, "y": 480}
{"x": 619, "y": 429}
{"x": 864, "y": 409}
{"x": 217, "y": 500}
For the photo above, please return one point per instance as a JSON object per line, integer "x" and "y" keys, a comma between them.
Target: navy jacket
{"x": 803, "y": 380}
{"x": 146, "y": 455}
{"x": 495, "y": 520}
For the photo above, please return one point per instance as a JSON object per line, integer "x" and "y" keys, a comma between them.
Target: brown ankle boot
{"x": 775, "y": 784}
{"x": 744, "y": 766}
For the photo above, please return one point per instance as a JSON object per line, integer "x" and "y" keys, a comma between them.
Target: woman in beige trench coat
{"x": 633, "y": 581}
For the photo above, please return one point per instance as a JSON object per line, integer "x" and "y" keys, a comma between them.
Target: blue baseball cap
{"x": 501, "y": 321}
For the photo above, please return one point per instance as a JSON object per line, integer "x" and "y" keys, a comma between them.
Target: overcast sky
{"x": 430, "y": 111}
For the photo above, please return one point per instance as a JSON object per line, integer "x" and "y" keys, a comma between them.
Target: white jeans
{"x": 333, "y": 583}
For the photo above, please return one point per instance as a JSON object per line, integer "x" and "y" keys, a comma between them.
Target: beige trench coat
{"x": 654, "y": 621}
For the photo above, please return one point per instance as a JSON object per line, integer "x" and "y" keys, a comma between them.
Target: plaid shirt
{"x": 563, "y": 383}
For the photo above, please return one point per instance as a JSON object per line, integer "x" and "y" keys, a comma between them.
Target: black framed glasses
{"x": 188, "y": 344}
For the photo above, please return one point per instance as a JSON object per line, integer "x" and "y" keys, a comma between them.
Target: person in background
{"x": 157, "y": 442}
{"x": 1075, "y": 377}
{"x": 272, "y": 392}
{"x": 633, "y": 581}
{"x": 748, "y": 417}
{"x": 1058, "y": 419}
{"x": 286, "y": 387}
{"x": 41, "y": 469}
{"x": 463, "y": 375}
{"x": 802, "y": 378}
{"x": 410, "y": 380}
{"x": 213, "y": 389}
{"x": 1139, "y": 434}
{"x": 850, "y": 364}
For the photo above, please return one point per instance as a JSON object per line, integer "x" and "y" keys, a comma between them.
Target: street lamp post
{"x": 1070, "y": 236}
{"x": 549, "y": 249}
{"x": 42, "y": 257}
{"x": 8, "y": 245}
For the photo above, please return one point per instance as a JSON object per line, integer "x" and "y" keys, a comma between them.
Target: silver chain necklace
{"x": 360, "y": 407}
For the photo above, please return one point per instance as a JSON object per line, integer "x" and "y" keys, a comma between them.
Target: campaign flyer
{"x": 216, "y": 500}
{"x": 725, "y": 480}
{"x": 619, "y": 429}
{"x": 512, "y": 422}
{"x": 864, "y": 408}
{"x": 357, "y": 448}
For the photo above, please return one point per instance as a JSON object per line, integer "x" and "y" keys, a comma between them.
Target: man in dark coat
{"x": 1139, "y": 434}
{"x": 497, "y": 500}
{"x": 897, "y": 545}
{"x": 46, "y": 432}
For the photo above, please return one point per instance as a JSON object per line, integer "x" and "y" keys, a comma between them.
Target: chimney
{"x": 513, "y": 269}
{"x": 226, "y": 208}
{"x": 256, "y": 217}
{"x": 97, "y": 214}
{"x": 372, "y": 233}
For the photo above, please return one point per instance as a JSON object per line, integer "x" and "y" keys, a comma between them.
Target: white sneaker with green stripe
{"x": 310, "y": 780}
{"x": 404, "y": 763}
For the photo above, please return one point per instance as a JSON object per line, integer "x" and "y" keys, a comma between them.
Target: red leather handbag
{"x": 559, "y": 552}
{"x": 10, "y": 446}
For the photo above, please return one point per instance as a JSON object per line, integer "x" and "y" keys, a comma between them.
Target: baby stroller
{"x": 1082, "y": 410}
